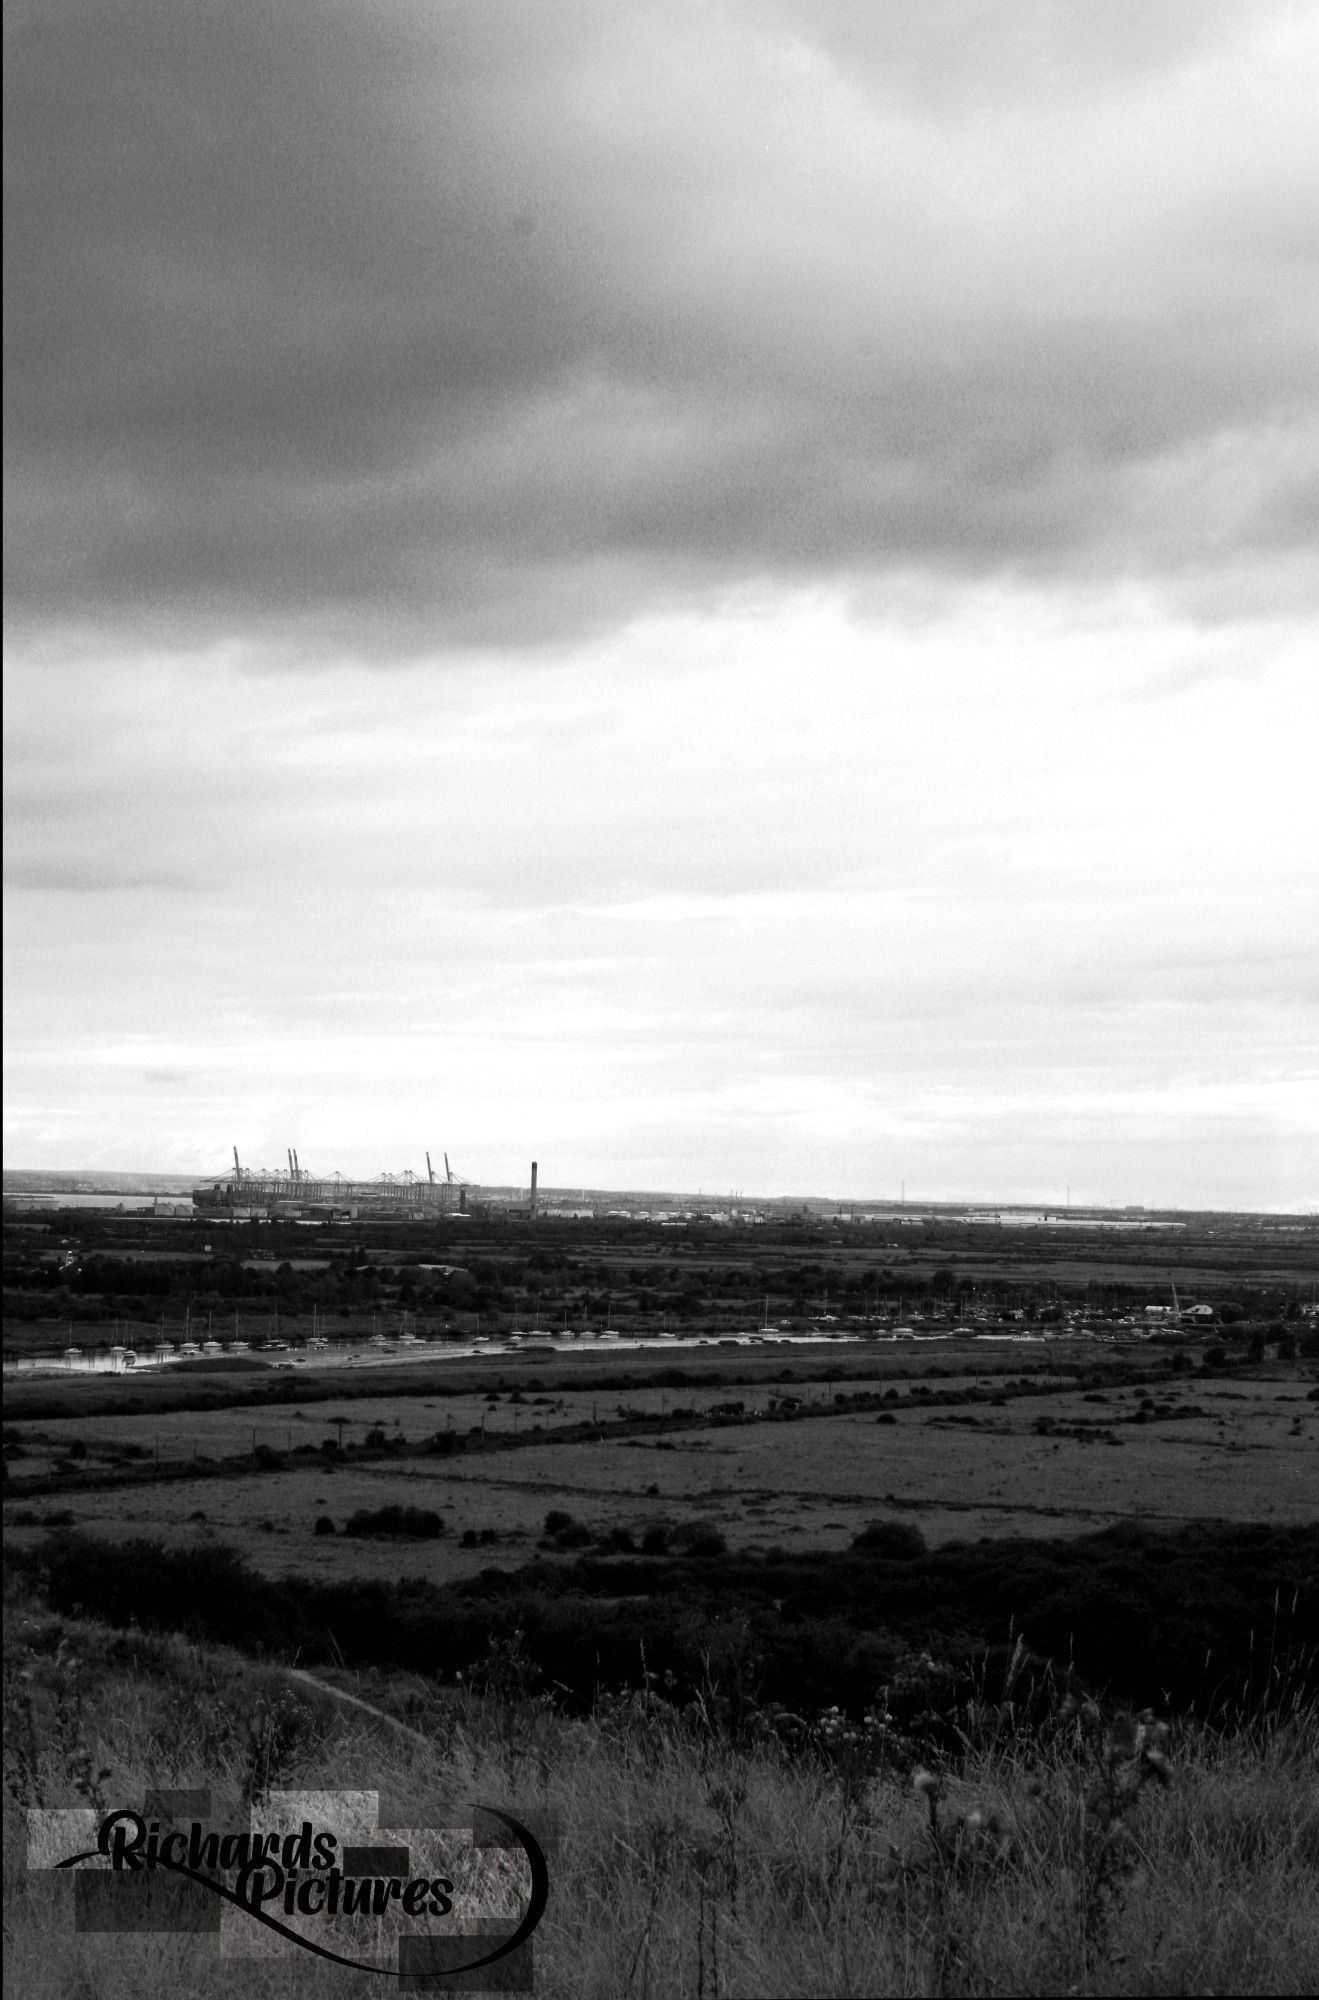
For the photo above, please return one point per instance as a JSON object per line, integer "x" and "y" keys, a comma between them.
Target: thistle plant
{"x": 277, "y": 1732}
{"x": 49, "y": 1700}
{"x": 1125, "y": 1755}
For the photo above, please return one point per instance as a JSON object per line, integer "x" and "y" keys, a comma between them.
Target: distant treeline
{"x": 1211, "y": 1619}
{"x": 636, "y": 1270}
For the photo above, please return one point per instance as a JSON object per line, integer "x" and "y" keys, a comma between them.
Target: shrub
{"x": 1134, "y": 1609}
{"x": 565, "y": 1533}
{"x": 324, "y": 1525}
{"x": 268, "y": 1458}
{"x": 899, "y": 1541}
{"x": 417, "y": 1523}
{"x": 205, "y": 1587}
{"x": 704, "y": 1539}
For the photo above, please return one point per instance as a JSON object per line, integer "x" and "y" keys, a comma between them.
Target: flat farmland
{"x": 1253, "y": 1454}
{"x": 224, "y": 1433}
{"x": 504, "y": 1395}
{"x": 409, "y": 1375}
{"x": 1061, "y": 1463}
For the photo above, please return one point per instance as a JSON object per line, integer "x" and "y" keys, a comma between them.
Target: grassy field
{"x": 688, "y": 1858}
{"x": 590, "y": 1369}
{"x": 1060, "y": 1462}
{"x": 504, "y": 1399}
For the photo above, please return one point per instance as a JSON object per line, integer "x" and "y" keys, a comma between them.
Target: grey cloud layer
{"x": 497, "y": 319}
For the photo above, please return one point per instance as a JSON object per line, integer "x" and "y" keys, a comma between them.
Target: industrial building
{"x": 249, "y": 1192}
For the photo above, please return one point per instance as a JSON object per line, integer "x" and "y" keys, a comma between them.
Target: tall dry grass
{"x": 689, "y": 1857}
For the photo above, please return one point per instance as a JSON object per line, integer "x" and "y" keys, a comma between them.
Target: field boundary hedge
{"x": 1211, "y": 1620}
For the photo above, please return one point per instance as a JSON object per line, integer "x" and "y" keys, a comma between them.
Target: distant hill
{"x": 21, "y": 1180}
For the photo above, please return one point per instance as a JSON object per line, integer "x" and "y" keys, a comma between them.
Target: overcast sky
{"x": 724, "y": 596}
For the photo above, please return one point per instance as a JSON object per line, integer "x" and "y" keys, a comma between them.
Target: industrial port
{"x": 249, "y": 1194}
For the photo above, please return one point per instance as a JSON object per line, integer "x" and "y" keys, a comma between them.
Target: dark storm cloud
{"x": 497, "y": 319}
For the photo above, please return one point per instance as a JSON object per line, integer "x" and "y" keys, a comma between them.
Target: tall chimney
{"x": 533, "y": 1191}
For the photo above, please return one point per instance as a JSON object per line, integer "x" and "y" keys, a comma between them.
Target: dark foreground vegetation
{"x": 690, "y": 1854}
{"x": 1212, "y": 1620}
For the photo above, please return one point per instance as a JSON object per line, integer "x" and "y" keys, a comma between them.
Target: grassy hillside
{"x": 702, "y": 1846}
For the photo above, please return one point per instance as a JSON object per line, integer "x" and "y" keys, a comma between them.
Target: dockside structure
{"x": 247, "y": 1192}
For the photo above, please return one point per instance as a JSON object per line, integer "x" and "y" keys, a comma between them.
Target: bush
{"x": 898, "y": 1541}
{"x": 565, "y": 1533}
{"x": 655, "y": 1541}
{"x": 204, "y": 1588}
{"x": 704, "y": 1539}
{"x": 324, "y": 1525}
{"x": 1132, "y": 1609}
{"x": 417, "y": 1523}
